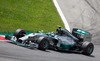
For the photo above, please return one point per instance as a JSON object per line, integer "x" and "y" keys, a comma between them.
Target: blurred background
{"x": 83, "y": 14}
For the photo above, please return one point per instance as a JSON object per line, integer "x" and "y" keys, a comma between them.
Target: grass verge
{"x": 32, "y": 15}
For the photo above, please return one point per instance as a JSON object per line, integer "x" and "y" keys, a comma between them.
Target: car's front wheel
{"x": 19, "y": 33}
{"x": 43, "y": 43}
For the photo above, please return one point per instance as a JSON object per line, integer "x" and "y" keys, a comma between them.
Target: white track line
{"x": 62, "y": 15}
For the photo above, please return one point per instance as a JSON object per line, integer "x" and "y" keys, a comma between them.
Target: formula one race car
{"x": 62, "y": 40}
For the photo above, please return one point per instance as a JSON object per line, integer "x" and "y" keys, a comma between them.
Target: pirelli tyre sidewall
{"x": 43, "y": 43}
{"x": 88, "y": 48}
{"x": 19, "y": 33}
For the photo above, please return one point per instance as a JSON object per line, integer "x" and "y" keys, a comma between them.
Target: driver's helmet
{"x": 59, "y": 31}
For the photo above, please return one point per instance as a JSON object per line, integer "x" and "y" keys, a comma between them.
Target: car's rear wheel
{"x": 88, "y": 48}
{"x": 19, "y": 33}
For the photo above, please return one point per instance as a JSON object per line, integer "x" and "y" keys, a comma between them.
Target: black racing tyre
{"x": 19, "y": 33}
{"x": 43, "y": 43}
{"x": 88, "y": 48}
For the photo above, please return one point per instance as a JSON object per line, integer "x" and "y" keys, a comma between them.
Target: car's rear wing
{"x": 82, "y": 34}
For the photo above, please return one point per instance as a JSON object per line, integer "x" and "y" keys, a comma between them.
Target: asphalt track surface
{"x": 12, "y": 52}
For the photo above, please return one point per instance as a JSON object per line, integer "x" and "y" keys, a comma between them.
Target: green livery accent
{"x": 65, "y": 47}
{"x": 79, "y": 31}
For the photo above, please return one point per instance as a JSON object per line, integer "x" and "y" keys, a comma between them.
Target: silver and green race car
{"x": 61, "y": 40}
